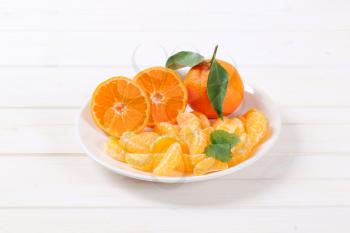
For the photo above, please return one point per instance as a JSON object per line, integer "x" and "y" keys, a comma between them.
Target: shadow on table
{"x": 242, "y": 186}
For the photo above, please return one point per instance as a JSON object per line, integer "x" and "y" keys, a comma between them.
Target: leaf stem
{"x": 214, "y": 55}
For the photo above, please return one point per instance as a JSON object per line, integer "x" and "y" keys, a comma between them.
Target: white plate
{"x": 92, "y": 140}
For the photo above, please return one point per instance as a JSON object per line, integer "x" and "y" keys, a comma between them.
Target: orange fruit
{"x": 142, "y": 162}
{"x": 196, "y": 84}
{"x": 166, "y": 128}
{"x": 231, "y": 125}
{"x": 166, "y": 91}
{"x": 203, "y": 119}
{"x": 188, "y": 120}
{"x": 256, "y": 125}
{"x": 114, "y": 148}
{"x": 242, "y": 151}
{"x": 162, "y": 144}
{"x": 195, "y": 139}
{"x": 208, "y": 165}
{"x": 256, "y": 130}
{"x": 138, "y": 143}
{"x": 119, "y": 105}
{"x": 172, "y": 163}
{"x": 191, "y": 160}
{"x": 207, "y": 131}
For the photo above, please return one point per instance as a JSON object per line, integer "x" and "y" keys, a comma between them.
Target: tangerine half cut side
{"x": 119, "y": 105}
{"x": 166, "y": 91}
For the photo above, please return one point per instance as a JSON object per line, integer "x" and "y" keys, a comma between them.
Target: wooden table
{"x": 53, "y": 54}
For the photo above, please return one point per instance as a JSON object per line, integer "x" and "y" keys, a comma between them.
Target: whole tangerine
{"x": 196, "y": 84}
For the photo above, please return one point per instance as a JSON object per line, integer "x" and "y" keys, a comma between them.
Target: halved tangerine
{"x": 166, "y": 91}
{"x": 119, "y": 105}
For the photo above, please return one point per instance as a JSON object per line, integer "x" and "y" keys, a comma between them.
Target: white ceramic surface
{"x": 92, "y": 140}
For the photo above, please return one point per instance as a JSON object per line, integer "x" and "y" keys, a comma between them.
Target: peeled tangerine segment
{"x": 256, "y": 125}
{"x": 172, "y": 163}
{"x": 138, "y": 143}
{"x": 188, "y": 120}
{"x": 166, "y": 128}
{"x": 196, "y": 139}
{"x": 191, "y": 161}
{"x": 114, "y": 149}
{"x": 209, "y": 165}
{"x": 203, "y": 119}
{"x": 233, "y": 125}
{"x": 207, "y": 131}
{"x": 142, "y": 162}
{"x": 162, "y": 144}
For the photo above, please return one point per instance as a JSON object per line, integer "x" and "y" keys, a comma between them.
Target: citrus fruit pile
{"x": 149, "y": 129}
{"x": 179, "y": 149}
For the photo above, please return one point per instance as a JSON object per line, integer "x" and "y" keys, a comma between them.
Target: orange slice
{"x": 119, "y": 105}
{"x": 142, "y": 162}
{"x": 138, "y": 143}
{"x": 205, "y": 123}
{"x": 191, "y": 160}
{"x": 188, "y": 120}
{"x": 196, "y": 139}
{"x": 166, "y": 128}
{"x": 115, "y": 149}
{"x": 166, "y": 91}
{"x": 162, "y": 144}
{"x": 256, "y": 125}
{"x": 172, "y": 163}
{"x": 233, "y": 125}
{"x": 208, "y": 165}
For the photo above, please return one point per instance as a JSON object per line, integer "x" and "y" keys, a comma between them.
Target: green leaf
{"x": 220, "y": 152}
{"x": 183, "y": 59}
{"x": 224, "y": 137}
{"x": 217, "y": 84}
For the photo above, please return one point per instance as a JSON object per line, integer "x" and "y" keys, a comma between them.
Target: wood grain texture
{"x": 72, "y": 48}
{"x": 266, "y": 220}
{"x": 79, "y": 182}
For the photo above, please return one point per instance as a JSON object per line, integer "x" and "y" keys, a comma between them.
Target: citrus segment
{"x": 207, "y": 131}
{"x": 172, "y": 163}
{"x": 166, "y": 91}
{"x": 203, "y": 119}
{"x": 208, "y": 165}
{"x": 196, "y": 139}
{"x": 114, "y": 149}
{"x": 166, "y": 128}
{"x": 162, "y": 144}
{"x": 256, "y": 125}
{"x": 118, "y": 105}
{"x": 140, "y": 161}
{"x": 233, "y": 125}
{"x": 187, "y": 119}
{"x": 191, "y": 160}
{"x": 138, "y": 143}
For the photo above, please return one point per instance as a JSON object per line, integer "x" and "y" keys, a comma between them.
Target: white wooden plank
{"x": 272, "y": 167}
{"x": 315, "y": 115}
{"x": 29, "y": 117}
{"x": 75, "y": 182}
{"x": 267, "y": 220}
{"x": 182, "y": 16}
{"x": 248, "y": 48}
{"x": 70, "y": 87}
